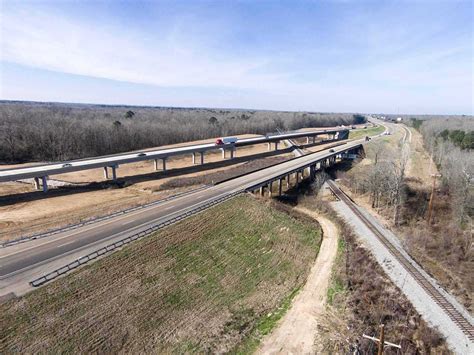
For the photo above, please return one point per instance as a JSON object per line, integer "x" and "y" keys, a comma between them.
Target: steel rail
{"x": 455, "y": 315}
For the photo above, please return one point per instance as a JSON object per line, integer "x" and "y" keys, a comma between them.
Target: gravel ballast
{"x": 422, "y": 302}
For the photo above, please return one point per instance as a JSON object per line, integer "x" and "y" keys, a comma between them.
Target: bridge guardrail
{"x": 111, "y": 247}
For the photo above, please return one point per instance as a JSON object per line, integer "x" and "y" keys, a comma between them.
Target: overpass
{"x": 110, "y": 163}
{"x": 43, "y": 259}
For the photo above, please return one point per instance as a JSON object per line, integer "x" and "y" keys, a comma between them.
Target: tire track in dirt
{"x": 296, "y": 332}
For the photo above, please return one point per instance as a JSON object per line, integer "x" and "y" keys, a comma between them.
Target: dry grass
{"x": 444, "y": 249}
{"x": 204, "y": 285}
{"x": 361, "y": 297}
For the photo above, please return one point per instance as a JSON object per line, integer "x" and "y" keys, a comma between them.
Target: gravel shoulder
{"x": 296, "y": 332}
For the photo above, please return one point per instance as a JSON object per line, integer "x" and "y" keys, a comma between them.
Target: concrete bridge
{"x": 111, "y": 163}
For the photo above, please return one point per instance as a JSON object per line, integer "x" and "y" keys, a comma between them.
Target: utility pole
{"x": 381, "y": 341}
{"x": 430, "y": 205}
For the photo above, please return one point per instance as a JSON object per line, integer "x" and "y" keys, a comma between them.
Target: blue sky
{"x": 333, "y": 56}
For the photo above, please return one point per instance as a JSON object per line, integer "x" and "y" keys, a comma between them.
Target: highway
{"x": 40, "y": 171}
{"x": 40, "y": 256}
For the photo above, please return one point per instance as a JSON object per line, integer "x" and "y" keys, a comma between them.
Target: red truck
{"x": 226, "y": 140}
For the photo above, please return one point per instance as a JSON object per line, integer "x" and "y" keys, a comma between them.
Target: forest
{"x": 32, "y": 131}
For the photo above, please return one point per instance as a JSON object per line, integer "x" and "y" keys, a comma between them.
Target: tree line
{"x": 451, "y": 151}
{"x": 58, "y": 132}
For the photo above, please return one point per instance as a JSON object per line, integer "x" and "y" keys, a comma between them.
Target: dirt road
{"x": 297, "y": 330}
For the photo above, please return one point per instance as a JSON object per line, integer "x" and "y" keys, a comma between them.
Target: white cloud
{"x": 59, "y": 43}
{"x": 381, "y": 70}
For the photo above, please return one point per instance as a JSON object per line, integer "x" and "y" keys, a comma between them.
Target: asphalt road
{"x": 32, "y": 255}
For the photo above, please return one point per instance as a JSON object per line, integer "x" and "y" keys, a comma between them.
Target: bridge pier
{"x": 44, "y": 179}
{"x": 276, "y": 145}
{"x": 297, "y": 178}
{"x": 114, "y": 172}
{"x": 270, "y": 186}
{"x": 262, "y": 190}
{"x": 314, "y": 139}
{"x": 280, "y": 183}
{"x": 231, "y": 150}
{"x": 288, "y": 181}
{"x": 37, "y": 184}
{"x": 163, "y": 164}
{"x": 269, "y": 146}
{"x": 201, "y": 160}
{"x": 307, "y": 140}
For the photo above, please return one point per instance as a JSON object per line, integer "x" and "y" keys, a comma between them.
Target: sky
{"x": 326, "y": 56}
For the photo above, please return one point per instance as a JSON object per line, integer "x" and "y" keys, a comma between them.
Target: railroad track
{"x": 456, "y": 316}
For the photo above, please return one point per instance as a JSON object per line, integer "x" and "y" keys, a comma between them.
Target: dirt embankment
{"x": 211, "y": 283}
{"x": 297, "y": 331}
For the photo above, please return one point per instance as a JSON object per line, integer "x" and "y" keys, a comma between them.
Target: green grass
{"x": 360, "y": 133}
{"x": 206, "y": 284}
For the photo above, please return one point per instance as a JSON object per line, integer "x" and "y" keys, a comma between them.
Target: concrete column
{"x": 276, "y": 145}
{"x": 297, "y": 178}
{"x": 156, "y": 164}
{"x": 202, "y": 158}
{"x": 106, "y": 173}
{"x": 314, "y": 139}
{"x": 163, "y": 161}
{"x": 223, "y": 153}
{"x": 280, "y": 182}
{"x": 114, "y": 173}
{"x": 232, "y": 153}
{"x": 270, "y": 186}
{"x": 194, "y": 158}
{"x": 307, "y": 140}
{"x": 269, "y": 146}
{"x": 288, "y": 181}
{"x": 262, "y": 190}
{"x": 45, "y": 183}
{"x": 37, "y": 183}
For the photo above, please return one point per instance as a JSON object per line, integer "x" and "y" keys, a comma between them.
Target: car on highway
{"x": 331, "y": 150}
{"x": 226, "y": 140}
{"x": 141, "y": 155}
{"x": 67, "y": 165}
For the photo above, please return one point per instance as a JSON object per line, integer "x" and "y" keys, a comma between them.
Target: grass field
{"x": 212, "y": 283}
{"x": 359, "y": 133}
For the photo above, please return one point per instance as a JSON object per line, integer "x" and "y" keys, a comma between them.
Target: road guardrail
{"x": 111, "y": 247}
